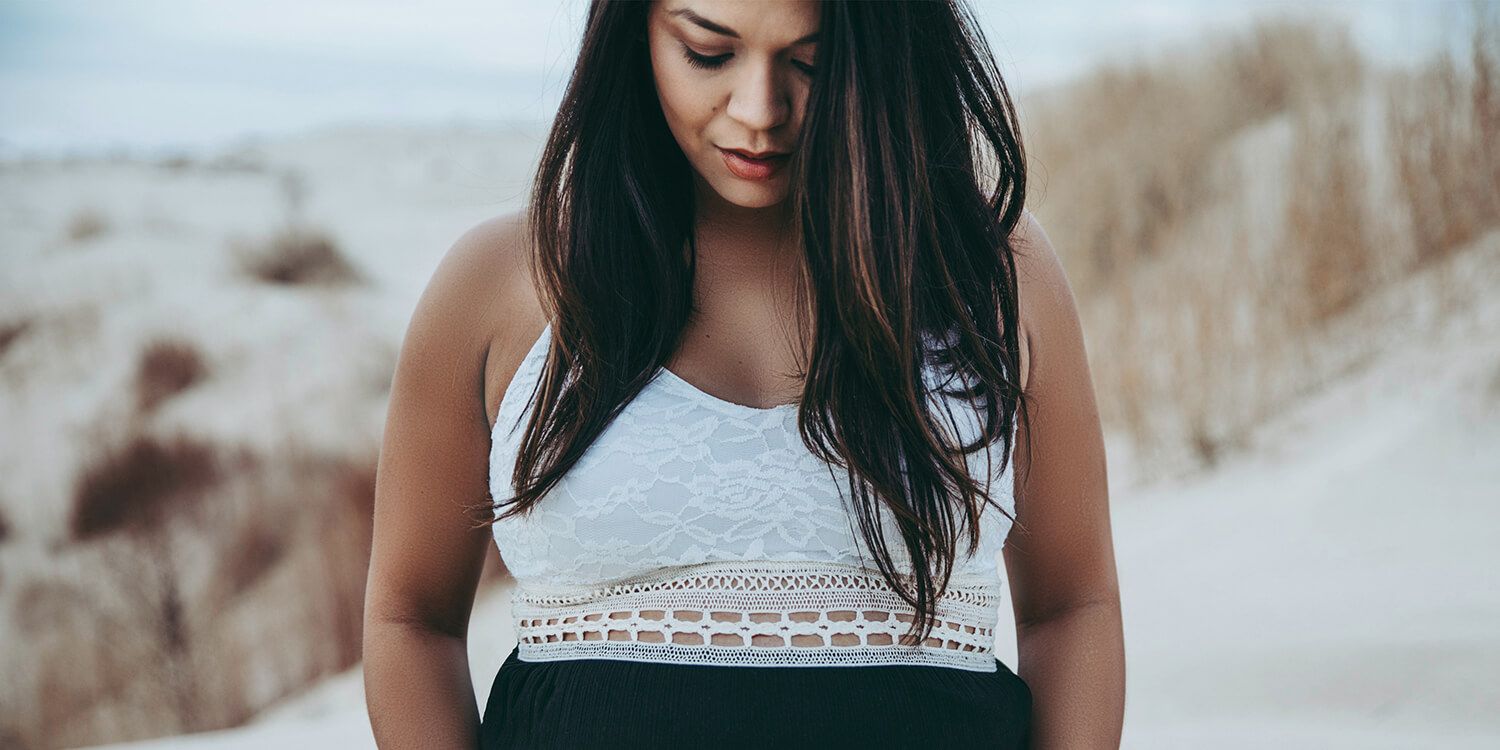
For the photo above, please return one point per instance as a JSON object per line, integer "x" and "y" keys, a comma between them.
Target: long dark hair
{"x": 903, "y": 238}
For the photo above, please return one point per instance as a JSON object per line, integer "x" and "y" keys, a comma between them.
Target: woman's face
{"x": 734, "y": 76}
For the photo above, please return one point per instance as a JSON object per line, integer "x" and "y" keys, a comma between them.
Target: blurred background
{"x": 1281, "y": 221}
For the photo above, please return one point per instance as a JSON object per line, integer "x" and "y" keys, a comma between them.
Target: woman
{"x": 736, "y": 400}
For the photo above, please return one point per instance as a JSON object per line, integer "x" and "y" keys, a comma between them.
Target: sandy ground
{"x": 1331, "y": 587}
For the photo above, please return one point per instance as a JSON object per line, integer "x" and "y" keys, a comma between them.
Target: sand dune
{"x": 1332, "y": 588}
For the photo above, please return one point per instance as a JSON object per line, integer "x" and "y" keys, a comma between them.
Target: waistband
{"x": 759, "y": 613}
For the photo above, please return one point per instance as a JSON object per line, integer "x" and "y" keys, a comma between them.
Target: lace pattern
{"x": 755, "y": 614}
{"x": 682, "y": 483}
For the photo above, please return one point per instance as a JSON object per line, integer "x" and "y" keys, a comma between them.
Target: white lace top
{"x": 695, "y": 530}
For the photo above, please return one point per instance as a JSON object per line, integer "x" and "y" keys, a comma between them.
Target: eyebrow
{"x": 718, "y": 28}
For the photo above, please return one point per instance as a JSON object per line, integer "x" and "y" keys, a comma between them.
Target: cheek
{"x": 687, "y": 101}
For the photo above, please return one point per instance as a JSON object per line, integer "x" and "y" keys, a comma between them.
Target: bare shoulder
{"x": 1048, "y": 309}
{"x": 487, "y": 267}
{"x": 479, "y": 311}
{"x": 512, "y": 316}
{"x": 427, "y": 554}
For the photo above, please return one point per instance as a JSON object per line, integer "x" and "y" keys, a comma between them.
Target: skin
{"x": 479, "y": 315}
{"x": 742, "y": 341}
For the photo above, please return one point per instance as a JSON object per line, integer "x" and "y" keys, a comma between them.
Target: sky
{"x": 168, "y": 76}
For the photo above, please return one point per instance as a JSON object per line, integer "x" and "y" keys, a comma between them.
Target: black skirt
{"x": 614, "y": 703}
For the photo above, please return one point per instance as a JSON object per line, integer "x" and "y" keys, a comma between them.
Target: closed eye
{"x": 704, "y": 61}
{"x": 714, "y": 62}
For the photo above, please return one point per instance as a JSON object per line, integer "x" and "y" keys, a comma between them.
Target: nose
{"x": 759, "y": 101}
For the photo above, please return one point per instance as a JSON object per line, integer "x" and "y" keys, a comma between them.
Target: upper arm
{"x": 1065, "y": 556}
{"x": 428, "y": 554}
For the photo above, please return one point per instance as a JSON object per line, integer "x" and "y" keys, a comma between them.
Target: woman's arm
{"x": 1062, "y": 573}
{"x": 426, "y": 558}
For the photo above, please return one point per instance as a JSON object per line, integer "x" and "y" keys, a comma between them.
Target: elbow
{"x": 1106, "y": 604}
{"x": 413, "y": 626}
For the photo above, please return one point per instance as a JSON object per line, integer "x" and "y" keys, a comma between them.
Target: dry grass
{"x": 1327, "y": 225}
{"x": 1444, "y": 124}
{"x": 167, "y": 368}
{"x": 124, "y": 665}
{"x": 297, "y": 256}
{"x": 1129, "y": 152}
{"x": 56, "y": 616}
{"x": 1217, "y": 209}
{"x": 347, "y": 521}
{"x": 194, "y": 621}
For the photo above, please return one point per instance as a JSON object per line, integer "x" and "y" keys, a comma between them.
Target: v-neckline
{"x": 702, "y": 395}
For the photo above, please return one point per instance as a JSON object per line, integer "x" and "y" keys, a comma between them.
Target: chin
{"x": 762, "y": 202}
{"x": 752, "y": 196}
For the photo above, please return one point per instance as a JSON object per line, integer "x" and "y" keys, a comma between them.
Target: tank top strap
{"x": 523, "y": 383}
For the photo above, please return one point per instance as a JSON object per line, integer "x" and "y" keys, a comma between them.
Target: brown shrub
{"x": 11, "y": 331}
{"x": 138, "y": 486}
{"x": 167, "y": 367}
{"x": 298, "y": 256}
{"x": 86, "y": 224}
{"x": 256, "y": 547}
{"x": 176, "y": 163}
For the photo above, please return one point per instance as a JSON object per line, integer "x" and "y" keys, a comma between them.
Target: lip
{"x": 757, "y": 154}
{"x": 752, "y": 166}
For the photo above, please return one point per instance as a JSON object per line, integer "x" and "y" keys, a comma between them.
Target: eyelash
{"x": 708, "y": 62}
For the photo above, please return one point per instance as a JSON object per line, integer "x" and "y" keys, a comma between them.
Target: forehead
{"x": 774, "y": 22}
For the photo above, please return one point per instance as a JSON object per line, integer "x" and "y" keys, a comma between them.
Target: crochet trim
{"x": 759, "y": 613}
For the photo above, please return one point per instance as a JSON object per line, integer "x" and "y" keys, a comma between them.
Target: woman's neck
{"x": 750, "y": 243}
